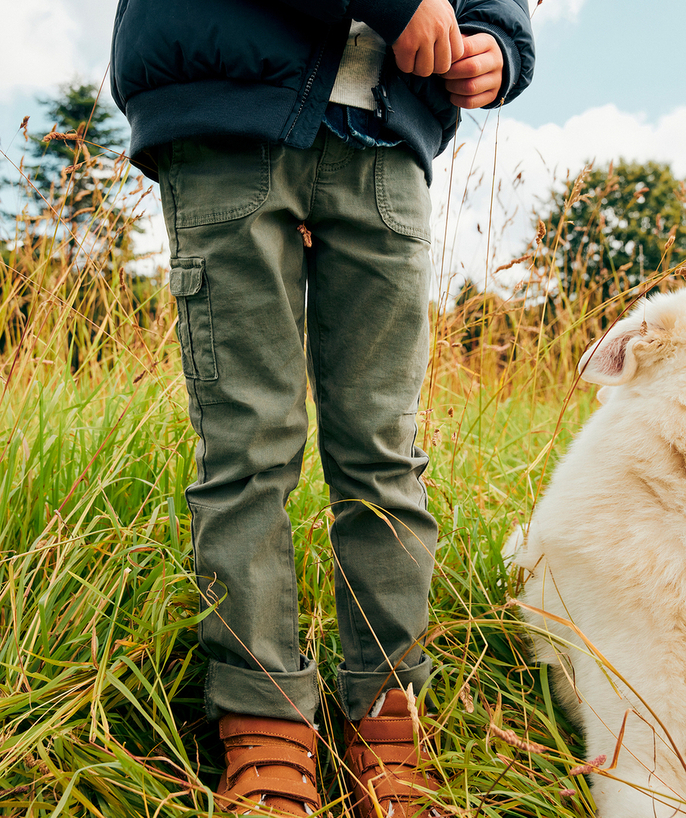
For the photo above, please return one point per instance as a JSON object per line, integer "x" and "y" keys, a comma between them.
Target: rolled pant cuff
{"x": 293, "y": 696}
{"x": 359, "y": 690}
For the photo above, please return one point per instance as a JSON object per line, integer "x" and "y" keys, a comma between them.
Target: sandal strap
{"x": 271, "y": 754}
{"x": 276, "y": 787}
{"x": 386, "y": 731}
{"x": 392, "y": 754}
{"x": 234, "y": 726}
{"x": 403, "y": 786}
{"x": 396, "y": 791}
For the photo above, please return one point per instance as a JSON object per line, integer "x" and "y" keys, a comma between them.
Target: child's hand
{"x": 431, "y": 41}
{"x": 475, "y": 78}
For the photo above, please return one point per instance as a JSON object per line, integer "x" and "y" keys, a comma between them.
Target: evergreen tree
{"x": 70, "y": 167}
{"x": 75, "y": 110}
{"x": 78, "y": 226}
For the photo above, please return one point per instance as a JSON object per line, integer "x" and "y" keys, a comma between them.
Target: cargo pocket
{"x": 402, "y": 194}
{"x": 188, "y": 284}
{"x": 215, "y": 181}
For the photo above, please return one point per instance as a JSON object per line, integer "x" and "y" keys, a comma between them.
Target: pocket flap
{"x": 185, "y": 277}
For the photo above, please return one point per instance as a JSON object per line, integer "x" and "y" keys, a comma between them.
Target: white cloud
{"x": 528, "y": 162}
{"x": 603, "y": 134}
{"x": 38, "y": 48}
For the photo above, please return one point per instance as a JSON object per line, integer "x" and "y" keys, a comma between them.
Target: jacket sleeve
{"x": 509, "y": 23}
{"x": 506, "y": 20}
{"x": 388, "y": 18}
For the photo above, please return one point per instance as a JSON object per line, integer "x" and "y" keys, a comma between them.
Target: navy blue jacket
{"x": 265, "y": 68}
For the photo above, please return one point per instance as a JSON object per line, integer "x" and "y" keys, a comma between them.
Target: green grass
{"x": 101, "y": 710}
{"x": 101, "y": 695}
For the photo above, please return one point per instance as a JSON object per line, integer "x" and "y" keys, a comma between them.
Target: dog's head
{"x": 654, "y": 333}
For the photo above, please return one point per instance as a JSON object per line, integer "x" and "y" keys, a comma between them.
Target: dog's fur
{"x": 606, "y": 549}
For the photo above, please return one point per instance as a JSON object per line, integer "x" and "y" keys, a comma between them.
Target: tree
{"x": 610, "y": 229}
{"x": 75, "y": 110}
{"x": 69, "y": 167}
{"x": 74, "y": 238}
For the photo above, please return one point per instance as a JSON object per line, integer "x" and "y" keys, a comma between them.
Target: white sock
{"x": 378, "y": 704}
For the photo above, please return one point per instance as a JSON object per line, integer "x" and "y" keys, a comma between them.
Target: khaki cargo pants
{"x": 246, "y": 290}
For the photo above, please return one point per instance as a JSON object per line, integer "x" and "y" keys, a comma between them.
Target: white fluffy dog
{"x": 607, "y": 551}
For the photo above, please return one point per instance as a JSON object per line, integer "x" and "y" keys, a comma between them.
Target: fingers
{"x": 457, "y": 46}
{"x": 431, "y": 42}
{"x": 475, "y": 79}
{"x": 481, "y": 55}
{"x": 472, "y": 67}
{"x": 447, "y": 49}
{"x": 473, "y": 93}
{"x": 442, "y": 57}
{"x": 405, "y": 56}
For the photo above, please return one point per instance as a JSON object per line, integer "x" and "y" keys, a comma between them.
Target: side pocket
{"x": 234, "y": 172}
{"x": 189, "y": 285}
{"x": 402, "y": 194}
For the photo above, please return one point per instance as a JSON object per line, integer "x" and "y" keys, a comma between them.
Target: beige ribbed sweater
{"x": 360, "y": 68}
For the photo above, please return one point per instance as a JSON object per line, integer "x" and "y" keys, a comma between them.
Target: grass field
{"x": 101, "y": 685}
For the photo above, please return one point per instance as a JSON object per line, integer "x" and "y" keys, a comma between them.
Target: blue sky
{"x": 609, "y": 83}
{"x": 590, "y": 53}
{"x": 622, "y": 52}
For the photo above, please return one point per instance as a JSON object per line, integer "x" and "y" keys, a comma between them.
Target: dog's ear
{"x": 612, "y": 360}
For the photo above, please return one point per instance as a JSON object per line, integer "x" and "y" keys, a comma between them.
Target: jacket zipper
{"x": 308, "y": 85}
{"x": 380, "y": 94}
{"x": 383, "y": 106}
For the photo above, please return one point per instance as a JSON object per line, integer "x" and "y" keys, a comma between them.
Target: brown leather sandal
{"x": 271, "y": 766}
{"x": 384, "y": 764}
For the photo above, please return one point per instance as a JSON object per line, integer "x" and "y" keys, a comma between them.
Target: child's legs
{"x": 368, "y": 348}
{"x": 235, "y": 233}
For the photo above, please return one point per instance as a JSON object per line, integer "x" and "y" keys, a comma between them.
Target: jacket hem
{"x": 216, "y": 108}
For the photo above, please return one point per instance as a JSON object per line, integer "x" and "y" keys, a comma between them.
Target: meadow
{"x": 101, "y": 710}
